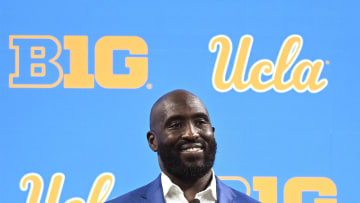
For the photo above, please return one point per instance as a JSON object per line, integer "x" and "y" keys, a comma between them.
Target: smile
{"x": 193, "y": 149}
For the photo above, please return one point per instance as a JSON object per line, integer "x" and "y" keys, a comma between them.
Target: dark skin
{"x": 180, "y": 115}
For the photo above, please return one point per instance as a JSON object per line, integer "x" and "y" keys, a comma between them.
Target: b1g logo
{"x": 305, "y": 75}
{"x": 36, "y": 64}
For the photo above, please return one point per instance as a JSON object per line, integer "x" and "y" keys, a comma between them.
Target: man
{"x": 183, "y": 137}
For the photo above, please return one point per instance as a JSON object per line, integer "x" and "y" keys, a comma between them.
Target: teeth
{"x": 193, "y": 149}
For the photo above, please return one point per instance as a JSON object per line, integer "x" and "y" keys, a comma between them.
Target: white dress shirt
{"x": 173, "y": 193}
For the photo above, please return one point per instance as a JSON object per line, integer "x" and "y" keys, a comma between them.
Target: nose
{"x": 191, "y": 132}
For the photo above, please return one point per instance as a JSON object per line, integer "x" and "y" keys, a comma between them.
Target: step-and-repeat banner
{"x": 279, "y": 78}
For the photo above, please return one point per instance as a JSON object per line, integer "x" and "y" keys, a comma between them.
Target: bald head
{"x": 182, "y": 135}
{"x": 174, "y": 100}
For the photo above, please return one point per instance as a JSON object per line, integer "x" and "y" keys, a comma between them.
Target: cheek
{"x": 208, "y": 130}
{"x": 208, "y": 134}
{"x": 168, "y": 139}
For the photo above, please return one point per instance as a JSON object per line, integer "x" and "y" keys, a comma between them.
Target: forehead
{"x": 178, "y": 103}
{"x": 188, "y": 105}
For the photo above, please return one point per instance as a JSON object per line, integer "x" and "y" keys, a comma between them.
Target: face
{"x": 184, "y": 137}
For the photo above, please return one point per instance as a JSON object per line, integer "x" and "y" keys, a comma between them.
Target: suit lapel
{"x": 154, "y": 193}
{"x": 224, "y": 193}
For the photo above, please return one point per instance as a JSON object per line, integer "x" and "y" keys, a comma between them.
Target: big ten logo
{"x": 293, "y": 189}
{"x": 37, "y": 65}
{"x": 34, "y": 184}
{"x": 264, "y": 74}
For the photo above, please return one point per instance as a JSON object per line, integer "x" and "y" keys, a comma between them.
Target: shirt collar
{"x": 209, "y": 192}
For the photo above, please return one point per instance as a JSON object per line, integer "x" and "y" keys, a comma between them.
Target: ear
{"x": 153, "y": 143}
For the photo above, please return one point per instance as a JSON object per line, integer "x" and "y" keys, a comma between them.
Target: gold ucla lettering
{"x": 34, "y": 183}
{"x": 286, "y": 58}
{"x": 99, "y": 193}
{"x": 101, "y": 188}
{"x": 39, "y": 68}
{"x": 55, "y": 188}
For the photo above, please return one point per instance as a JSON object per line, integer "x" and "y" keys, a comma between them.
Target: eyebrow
{"x": 173, "y": 118}
{"x": 181, "y": 117}
{"x": 201, "y": 115}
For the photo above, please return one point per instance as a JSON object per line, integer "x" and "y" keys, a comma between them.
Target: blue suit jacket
{"x": 152, "y": 193}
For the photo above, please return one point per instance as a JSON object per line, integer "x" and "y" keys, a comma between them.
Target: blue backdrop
{"x": 85, "y": 132}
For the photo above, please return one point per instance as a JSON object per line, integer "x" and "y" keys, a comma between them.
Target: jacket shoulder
{"x": 243, "y": 198}
{"x": 228, "y": 194}
{"x": 133, "y": 196}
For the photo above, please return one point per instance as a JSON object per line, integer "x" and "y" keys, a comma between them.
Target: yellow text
{"x": 37, "y": 66}
{"x": 34, "y": 184}
{"x": 305, "y": 76}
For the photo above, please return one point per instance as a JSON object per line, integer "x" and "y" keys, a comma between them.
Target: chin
{"x": 194, "y": 164}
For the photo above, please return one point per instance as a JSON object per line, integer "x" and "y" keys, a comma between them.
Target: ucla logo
{"x": 305, "y": 75}
{"x": 37, "y": 66}
{"x": 34, "y": 183}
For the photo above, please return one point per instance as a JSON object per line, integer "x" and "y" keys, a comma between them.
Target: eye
{"x": 200, "y": 121}
{"x": 175, "y": 125}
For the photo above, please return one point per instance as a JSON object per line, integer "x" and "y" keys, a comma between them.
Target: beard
{"x": 193, "y": 167}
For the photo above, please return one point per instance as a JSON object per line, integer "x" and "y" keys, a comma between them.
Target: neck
{"x": 193, "y": 186}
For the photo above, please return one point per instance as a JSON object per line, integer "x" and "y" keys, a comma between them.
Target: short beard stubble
{"x": 170, "y": 156}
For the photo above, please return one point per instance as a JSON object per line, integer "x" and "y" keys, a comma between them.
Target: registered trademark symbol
{"x": 327, "y": 62}
{"x": 149, "y": 86}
